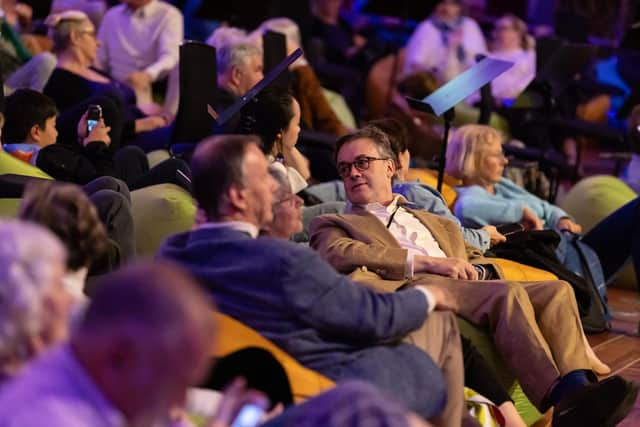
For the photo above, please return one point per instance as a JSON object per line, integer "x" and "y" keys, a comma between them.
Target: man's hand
{"x": 495, "y": 236}
{"x": 530, "y": 221}
{"x": 565, "y": 224}
{"x": 449, "y": 267}
{"x": 139, "y": 80}
{"x": 444, "y": 300}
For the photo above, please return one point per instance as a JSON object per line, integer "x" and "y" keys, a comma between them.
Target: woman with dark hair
{"x": 274, "y": 115}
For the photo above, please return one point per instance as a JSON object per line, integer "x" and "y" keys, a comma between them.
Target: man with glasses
{"x": 382, "y": 241}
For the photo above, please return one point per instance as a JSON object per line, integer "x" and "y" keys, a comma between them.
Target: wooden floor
{"x": 620, "y": 347}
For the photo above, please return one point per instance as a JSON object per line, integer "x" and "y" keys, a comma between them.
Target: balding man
{"x": 144, "y": 340}
{"x": 292, "y": 297}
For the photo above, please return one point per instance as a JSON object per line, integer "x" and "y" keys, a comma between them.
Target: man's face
{"x": 369, "y": 185}
{"x": 251, "y": 72}
{"x": 448, "y": 10}
{"x": 49, "y": 134}
{"x": 258, "y": 193}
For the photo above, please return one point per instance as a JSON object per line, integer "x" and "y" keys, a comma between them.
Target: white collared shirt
{"x": 408, "y": 231}
{"x": 242, "y": 226}
{"x": 147, "y": 39}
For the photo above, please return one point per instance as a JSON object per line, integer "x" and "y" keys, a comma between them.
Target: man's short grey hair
{"x": 233, "y": 48}
{"x": 29, "y": 256}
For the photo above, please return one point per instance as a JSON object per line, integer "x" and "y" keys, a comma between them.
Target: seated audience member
{"x": 65, "y": 210}
{"x": 512, "y": 42}
{"x": 144, "y": 339}
{"x": 632, "y": 174}
{"x": 292, "y": 297}
{"x": 287, "y": 220}
{"x": 35, "y": 306}
{"x": 240, "y": 67}
{"x": 274, "y": 116}
{"x": 343, "y": 57}
{"x": 446, "y": 43}
{"x": 315, "y": 111}
{"x": 31, "y": 126}
{"x": 74, "y": 83}
{"x": 139, "y": 45}
{"x": 422, "y": 196}
{"x": 475, "y": 156}
{"x": 383, "y": 242}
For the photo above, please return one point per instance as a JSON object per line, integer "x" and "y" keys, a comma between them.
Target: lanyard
{"x": 393, "y": 214}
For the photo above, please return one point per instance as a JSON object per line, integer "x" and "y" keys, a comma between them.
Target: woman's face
{"x": 291, "y": 133}
{"x": 57, "y": 303}
{"x": 505, "y": 36}
{"x": 86, "y": 41}
{"x": 491, "y": 162}
{"x": 287, "y": 216}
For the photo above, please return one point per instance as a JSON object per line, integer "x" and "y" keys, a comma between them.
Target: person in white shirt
{"x": 139, "y": 44}
{"x": 446, "y": 43}
{"x": 512, "y": 42}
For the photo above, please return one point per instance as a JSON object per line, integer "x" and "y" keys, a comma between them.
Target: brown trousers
{"x": 439, "y": 337}
{"x": 535, "y": 326}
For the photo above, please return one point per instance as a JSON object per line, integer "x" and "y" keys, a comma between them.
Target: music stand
{"x": 442, "y": 101}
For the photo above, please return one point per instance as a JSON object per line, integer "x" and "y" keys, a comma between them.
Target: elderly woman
{"x": 34, "y": 304}
{"x": 287, "y": 209}
{"x": 512, "y": 42}
{"x": 74, "y": 82}
{"x": 475, "y": 156}
{"x": 66, "y": 211}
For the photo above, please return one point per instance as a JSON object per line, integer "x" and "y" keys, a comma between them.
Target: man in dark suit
{"x": 292, "y": 297}
{"x": 535, "y": 325}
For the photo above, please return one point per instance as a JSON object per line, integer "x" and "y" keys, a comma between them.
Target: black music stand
{"x": 442, "y": 101}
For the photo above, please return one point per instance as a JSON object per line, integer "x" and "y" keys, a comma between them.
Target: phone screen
{"x": 249, "y": 416}
{"x": 94, "y": 113}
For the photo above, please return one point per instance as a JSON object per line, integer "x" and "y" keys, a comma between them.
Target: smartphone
{"x": 249, "y": 416}
{"x": 94, "y": 114}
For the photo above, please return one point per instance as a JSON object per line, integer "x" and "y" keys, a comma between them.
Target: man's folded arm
{"x": 335, "y": 305}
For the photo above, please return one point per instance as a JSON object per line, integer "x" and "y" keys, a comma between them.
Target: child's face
{"x": 48, "y": 135}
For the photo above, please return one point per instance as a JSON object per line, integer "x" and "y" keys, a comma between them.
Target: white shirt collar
{"x": 245, "y": 227}
{"x": 376, "y": 207}
{"x": 143, "y": 11}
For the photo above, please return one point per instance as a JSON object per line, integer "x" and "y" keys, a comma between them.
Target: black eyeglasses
{"x": 361, "y": 164}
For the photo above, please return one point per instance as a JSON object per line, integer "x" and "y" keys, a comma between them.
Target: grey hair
{"x": 233, "y": 48}
{"x": 279, "y": 172}
{"x": 62, "y": 25}
{"x": 29, "y": 254}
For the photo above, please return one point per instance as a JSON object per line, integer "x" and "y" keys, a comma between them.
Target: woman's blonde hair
{"x": 527, "y": 42}
{"x": 466, "y": 149}
{"x": 61, "y": 25}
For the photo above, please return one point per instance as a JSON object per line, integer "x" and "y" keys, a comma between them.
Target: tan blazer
{"x": 359, "y": 244}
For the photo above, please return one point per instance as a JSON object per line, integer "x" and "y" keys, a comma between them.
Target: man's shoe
{"x": 602, "y": 404}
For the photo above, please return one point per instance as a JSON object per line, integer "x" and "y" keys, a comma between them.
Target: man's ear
{"x": 235, "y": 75}
{"x": 236, "y": 198}
{"x": 391, "y": 168}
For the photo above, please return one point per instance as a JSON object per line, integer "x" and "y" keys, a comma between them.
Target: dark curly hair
{"x": 267, "y": 115}
{"x": 67, "y": 211}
